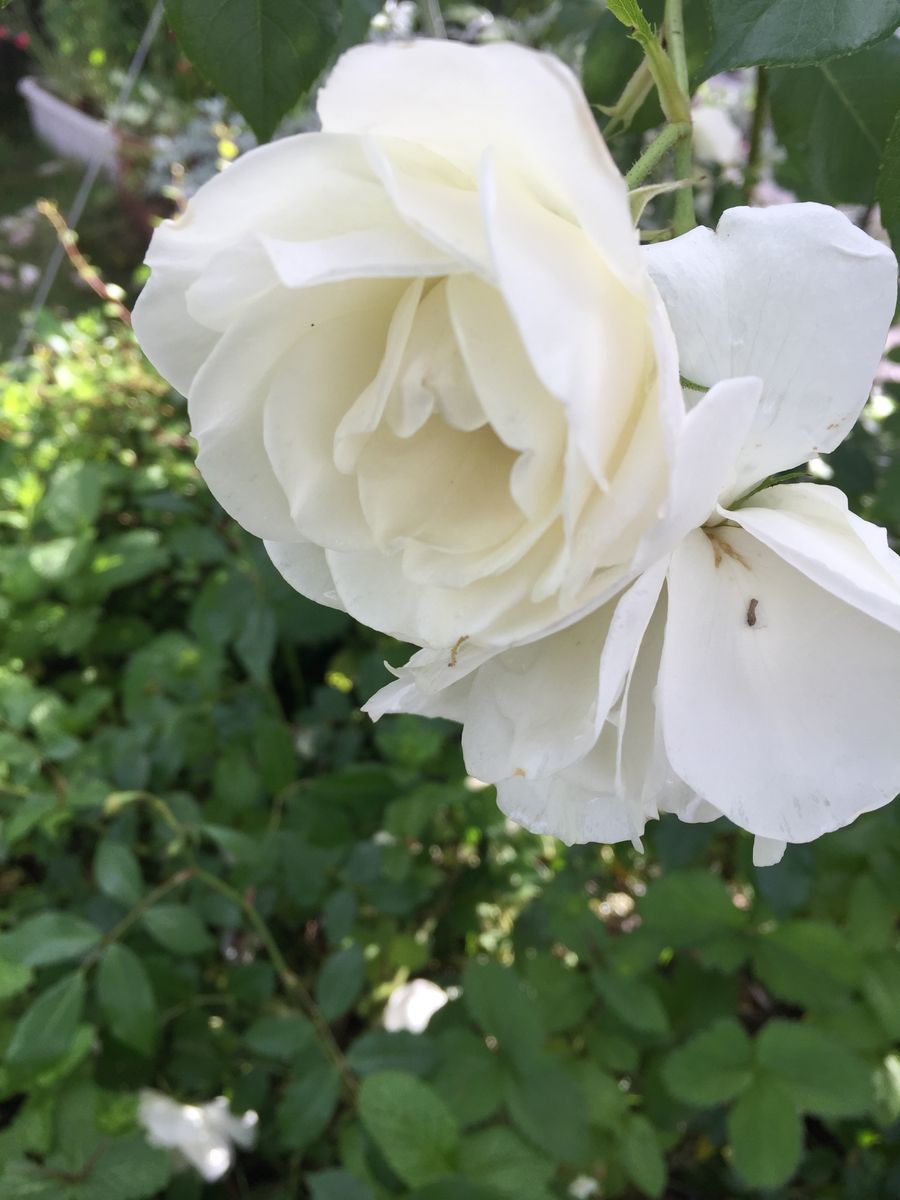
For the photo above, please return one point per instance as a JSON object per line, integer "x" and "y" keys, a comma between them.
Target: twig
{"x": 760, "y": 114}
{"x": 69, "y": 242}
{"x": 290, "y": 981}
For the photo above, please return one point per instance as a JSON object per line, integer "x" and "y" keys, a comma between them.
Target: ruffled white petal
{"x": 459, "y": 100}
{"x": 796, "y": 295}
{"x": 811, "y": 527}
{"x": 705, "y": 461}
{"x": 587, "y": 336}
{"x": 781, "y": 714}
{"x": 305, "y": 568}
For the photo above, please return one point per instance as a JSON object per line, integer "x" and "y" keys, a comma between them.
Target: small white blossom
{"x": 412, "y": 1005}
{"x": 202, "y": 1135}
{"x": 583, "y": 1187}
{"x": 717, "y": 139}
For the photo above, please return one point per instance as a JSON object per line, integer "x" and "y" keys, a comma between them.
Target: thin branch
{"x": 757, "y": 128}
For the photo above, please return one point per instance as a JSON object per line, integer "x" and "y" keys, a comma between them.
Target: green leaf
{"x": 870, "y": 916}
{"x": 58, "y": 559}
{"x": 881, "y": 988}
{"x": 340, "y": 981}
{"x": 471, "y": 1078}
{"x": 72, "y": 501}
{"x": 834, "y": 119}
{"x": 887, "y": 190}
{"x": 336, "y": 1185}
{"x": 784, "y": 33}
{"x": 379, "y": 1050}
{"x": 607, "y": 1102}
{"x": 808, "y": 962}
{"x": 118, "y": 873}
{"x": 411, "y": 1125}
{"x": 128, "y": 1169}
{"x": 126, "y": 998}
{"x": 177, "y": 928}
{"x": 633, "y": 1001}
{"x": 263, "y": 54}
{"x": 15, "y": 978}
{"x": 123, "y": 559}
{"x": 547, "y": 1104}
{"x": 642, "y": 1158}
{"x": 409, "y": 740}
{"x": 766, "y": 1134}
{"x": 308, "y": 1105}
{"x": 50, "y": 937}
{"x": 280, "y": 1037}
{"x": 563, "y": 995}
{"x": 255, "y": 644}
{"x": 502, "y": 1009}
{"x": 823, "y": 1076}
{"x": 339, "y": 915}
{"x": 712, "y": 1067}
{"x": 498, "y": 1159}
{"x": 685, "y": 907}
{"x": 47, "y": 1028}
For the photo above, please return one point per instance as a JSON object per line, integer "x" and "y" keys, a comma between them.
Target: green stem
{"x": 290, "y": 981}
{"x": 684, "y": 158}
{"x": 656, "y": 152}
{"x": 760, "y": 114}
{"x": 119, "y": 930}
{"x": 434, "y": 19}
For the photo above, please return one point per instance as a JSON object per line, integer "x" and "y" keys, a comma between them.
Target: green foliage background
{"x": 214, "y": 870}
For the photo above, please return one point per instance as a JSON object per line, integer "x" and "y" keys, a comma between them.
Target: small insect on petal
{"x": 751, "y": 612}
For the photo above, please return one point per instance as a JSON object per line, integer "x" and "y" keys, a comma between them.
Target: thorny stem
{"x": 684, "y": 199}
{"x": 656, "y": 152}
{"x": 290, "y": 981}
{"x": 760, "y": 113}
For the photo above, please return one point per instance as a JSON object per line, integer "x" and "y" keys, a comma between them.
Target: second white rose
{"x": 423, "y": 356}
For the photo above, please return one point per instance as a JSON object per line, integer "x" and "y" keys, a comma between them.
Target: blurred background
{"x": 218, "y": 879}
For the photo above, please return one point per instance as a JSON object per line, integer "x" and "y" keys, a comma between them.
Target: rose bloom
{"x": 423, "y": 356}
{"x": 753, "y": 667}
{"x": 200, "y": 1135}
{"x": 411, "y": 1006}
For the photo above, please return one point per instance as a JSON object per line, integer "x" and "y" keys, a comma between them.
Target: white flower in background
{"x": 203, "y": 1135}
{"x": 717, "y": 139}
{"x": 423, "y": 355}
{"x": 412, "y": 1005}
{"x": 396, "y": 20}
{"x": 583, "y": 1187}
{"x": 755, "y": 671}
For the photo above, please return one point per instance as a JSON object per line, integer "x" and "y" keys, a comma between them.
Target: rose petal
{"x": 796, "y": 295}
{"x": 781, "y": 715}
{"x": 810, "y": 526}
{"x": 458, "y": 100}
{"x": 304, "y": 567}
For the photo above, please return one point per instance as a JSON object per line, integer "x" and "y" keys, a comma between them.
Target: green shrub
{"x": 214, "y": 871}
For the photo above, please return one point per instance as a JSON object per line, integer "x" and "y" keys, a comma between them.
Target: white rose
{"x": 754, "y": 671}
{"x": 202, "y": 1135}
{"x": 411, "y": 1006}
{"x": 423, "y": 355}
